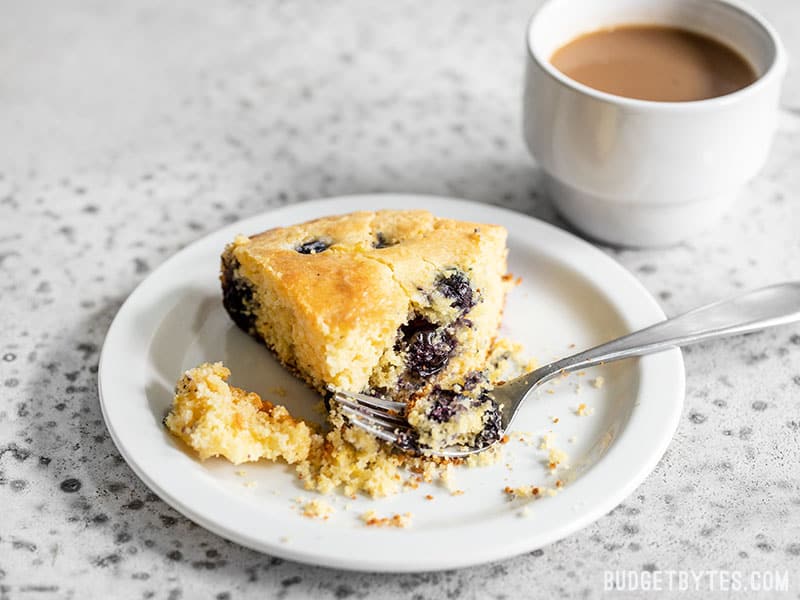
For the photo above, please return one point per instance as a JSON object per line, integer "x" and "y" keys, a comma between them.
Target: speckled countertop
{"x": 129, "y": 130}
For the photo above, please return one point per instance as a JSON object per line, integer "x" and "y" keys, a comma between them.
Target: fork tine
{"x": 376, "y": 421}
{"x": 398, "y": 407}
{"x": 387, "y": 432}
{"x": 369, "y": 411}
{"x": 366, "y": 423}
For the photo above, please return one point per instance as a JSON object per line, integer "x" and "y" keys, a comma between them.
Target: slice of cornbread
{"x": 393, "y": 303}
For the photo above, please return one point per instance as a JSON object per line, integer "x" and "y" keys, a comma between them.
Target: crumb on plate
{"x": 530, "y": 491}
{"x": 557, "y": 458}
{"x": 400, "y": 521}
{"x": 317, "y": 509}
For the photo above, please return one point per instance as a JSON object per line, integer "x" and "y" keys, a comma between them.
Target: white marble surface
{"x": 129, "y": 130}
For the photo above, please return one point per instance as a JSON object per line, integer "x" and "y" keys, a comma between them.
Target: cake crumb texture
{"x": 351, "y": 459}
{"x": 217, "y": 419}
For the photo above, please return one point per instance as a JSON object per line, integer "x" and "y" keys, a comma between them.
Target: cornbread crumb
{"x": 557, "y": 458}
{"x": 488, "y": 457}
{"x": 317, "y": 509}
{"x": 525, "y": 437}
{"x": 428, "y": 497}
{"x": 371, "y": 519}
{"x": 250, "y": 484}
{"x": 508, "y": 360}
{"x": 447, "y": 479}
{"x": 457, "y": 493}
{"x": 584, "y": 411}
{"x": 217, "y": 419}
{"x": 351, "y": 459}
{"x": 412, "y": 482}
{"x": 598, "y": 382}
{"x": 525, "y": 491}
{"x": 531, "y": 491}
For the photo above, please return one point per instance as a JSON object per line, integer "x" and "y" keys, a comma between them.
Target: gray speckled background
{"x": 127, "y": 131}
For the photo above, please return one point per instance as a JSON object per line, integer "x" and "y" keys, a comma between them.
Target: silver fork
{"x": 753, "y": 311}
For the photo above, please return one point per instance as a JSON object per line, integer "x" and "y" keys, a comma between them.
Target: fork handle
{"x": 766, "y": 307}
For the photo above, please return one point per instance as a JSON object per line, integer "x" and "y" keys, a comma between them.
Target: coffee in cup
{"x": 654, "y": 62}
{"x": 656, "y": 170}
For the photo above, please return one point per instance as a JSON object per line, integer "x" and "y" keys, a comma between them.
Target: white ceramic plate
{"x": 571, "y": 296}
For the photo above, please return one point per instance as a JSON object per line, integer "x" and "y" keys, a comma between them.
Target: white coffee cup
{"x": 637, "y": 172}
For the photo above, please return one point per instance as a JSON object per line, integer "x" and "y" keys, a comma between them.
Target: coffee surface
{"x": 651, "y": 62}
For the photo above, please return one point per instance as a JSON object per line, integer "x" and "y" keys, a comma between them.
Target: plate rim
{"x": 483, "y": 553}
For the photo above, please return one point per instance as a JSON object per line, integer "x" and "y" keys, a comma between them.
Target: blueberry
{"x": 445, "y": 405}
{"x": 492, "y": 427}
{"x": 381, "y": 241}
{"x": 456, "y": 286}
{"x": 313, "y": 247}
{"x": 473, "y": 379}
{"x": 237, "y": 295}
{"x": 428, "y": 347}
{"x": 407, "y": 440}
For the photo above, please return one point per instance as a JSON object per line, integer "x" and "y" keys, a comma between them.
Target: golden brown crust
{"x": 332, "y": 293}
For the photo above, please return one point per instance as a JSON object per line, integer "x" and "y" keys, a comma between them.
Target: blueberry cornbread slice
{"x": 393, "y": 303}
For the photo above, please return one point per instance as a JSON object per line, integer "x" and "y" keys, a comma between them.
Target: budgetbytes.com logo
{"x": 690, "y": 580}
